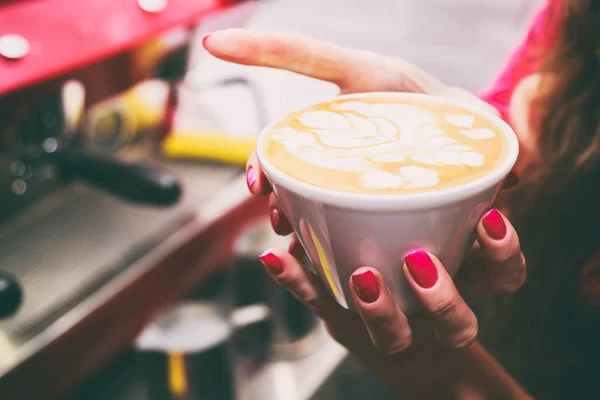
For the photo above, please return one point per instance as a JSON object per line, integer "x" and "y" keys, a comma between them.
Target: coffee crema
{"x": 385, "y": 145}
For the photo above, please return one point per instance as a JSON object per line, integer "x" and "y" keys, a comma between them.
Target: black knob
{"x": 134, "y": 182}
{"x": 11, "y": 295}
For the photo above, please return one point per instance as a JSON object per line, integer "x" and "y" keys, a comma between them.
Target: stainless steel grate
{"x": 80, "y": 239}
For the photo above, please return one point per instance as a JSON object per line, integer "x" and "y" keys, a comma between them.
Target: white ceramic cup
{"x": 343, "y": 231}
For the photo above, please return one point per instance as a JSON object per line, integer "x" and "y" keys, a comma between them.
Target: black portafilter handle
{"x": 11, "y": 295}
{"x": 137, "y": 183}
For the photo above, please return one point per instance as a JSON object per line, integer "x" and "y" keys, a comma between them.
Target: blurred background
{"x": 128, "y": 241}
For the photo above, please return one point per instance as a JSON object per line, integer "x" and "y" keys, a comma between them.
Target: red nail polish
{"x": 250, "y": 177}
{"x": 366, "y": 286}
{"x": 205, "y": 38}
{"x": 422, "y": 269}
{"x": 494, "y": 225}
{"x": 274, "y": 218}
{"x": 272, "y": 263}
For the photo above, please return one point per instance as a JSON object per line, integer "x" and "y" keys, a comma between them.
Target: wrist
{"x": 418, "y": 81}
{"x": 433, "y": 370}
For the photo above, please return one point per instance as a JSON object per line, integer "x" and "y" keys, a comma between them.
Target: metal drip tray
{"x": 68, "y": 246}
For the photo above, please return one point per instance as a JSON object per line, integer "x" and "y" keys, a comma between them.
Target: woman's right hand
{"x": 353, "y": 71}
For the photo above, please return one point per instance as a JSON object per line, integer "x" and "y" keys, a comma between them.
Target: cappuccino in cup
{"x": 383, "y": 145}
{"x": 366, "y": 179}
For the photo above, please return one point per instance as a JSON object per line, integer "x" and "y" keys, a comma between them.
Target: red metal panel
{"x": 67, "y": 34}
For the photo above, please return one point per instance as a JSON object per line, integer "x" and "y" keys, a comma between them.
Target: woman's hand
{"x": 352, "y": 70}
{"x": 411, "y": 354}
{"x": 404, "y": 352}
{"x": 424, "y": 356}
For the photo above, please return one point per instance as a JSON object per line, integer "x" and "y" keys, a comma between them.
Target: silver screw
{"x": 153, "y": 6}
{"x": 14, "y": 47}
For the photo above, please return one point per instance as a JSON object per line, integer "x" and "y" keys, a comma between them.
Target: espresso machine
{"x": 44, "y": 145}
{"x": 44, "y": 149}
{"x": 84, "y": 191}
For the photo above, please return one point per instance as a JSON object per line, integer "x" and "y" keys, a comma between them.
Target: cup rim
{"x": 398, "y": 201}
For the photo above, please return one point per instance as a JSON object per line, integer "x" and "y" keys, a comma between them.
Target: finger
{"x": 344, "y": 326}
{"x": 452, "y": 320}
{"x": 352, "y": 70}
{"x": 500, "y": 252}
{"x": 255, "y": 178}
{"x": 387, "y": 325}
{"x": 296, "y": 249}
{"x": 288, "y": 51}
{"x": 279, "y": 222}
{"x": 305, "y": 286}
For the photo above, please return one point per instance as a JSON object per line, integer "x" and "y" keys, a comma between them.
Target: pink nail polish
{"x": 422, "y": 269}
{"x": 205, "y": 38}
{"x": 250, "y": 177}
{"x": 366, "y": 286}
{"x": 274, "y": 218}
{"x": 272, "y": 263}
{"x": 494, "y": 225}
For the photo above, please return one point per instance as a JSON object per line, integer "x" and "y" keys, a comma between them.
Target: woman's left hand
{"x": 495, "y": 263}
{"x": 394, "y": 346}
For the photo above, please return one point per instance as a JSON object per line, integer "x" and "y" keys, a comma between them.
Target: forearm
{"x": 438, "y": 372}
{"x": 476, "y": 374}
{"x": 471, "y": 373}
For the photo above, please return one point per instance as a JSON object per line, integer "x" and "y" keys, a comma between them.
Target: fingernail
{"x": 205, "y": 38}
{"x": 366, "y": 286}
{"x": 274, "y": 218}
{"x": 494, "y": 225}
{"x": 421, "y": 268}
{"x": 272, "y": 263}
{"x": 250, "y": 177}
{"x": 511, "y": 180}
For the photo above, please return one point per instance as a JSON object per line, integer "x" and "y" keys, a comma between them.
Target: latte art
{"x": 384, "y": 145}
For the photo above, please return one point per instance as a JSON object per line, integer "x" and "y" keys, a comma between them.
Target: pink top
{"x": 521, "y": 64}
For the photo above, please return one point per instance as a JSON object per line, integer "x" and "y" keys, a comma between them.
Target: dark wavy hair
{"x": 547, "y": 335}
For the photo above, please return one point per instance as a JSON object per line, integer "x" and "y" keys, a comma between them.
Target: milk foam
{"x": 357, "y": 135}
{"x": 461, "y": 120}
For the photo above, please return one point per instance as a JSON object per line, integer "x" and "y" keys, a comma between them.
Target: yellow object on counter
{"x": 217, "y": 146}
{"x": 147, "y": 101}
{"x": 120, "y": 119}
{"x": 178, "y": 381}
